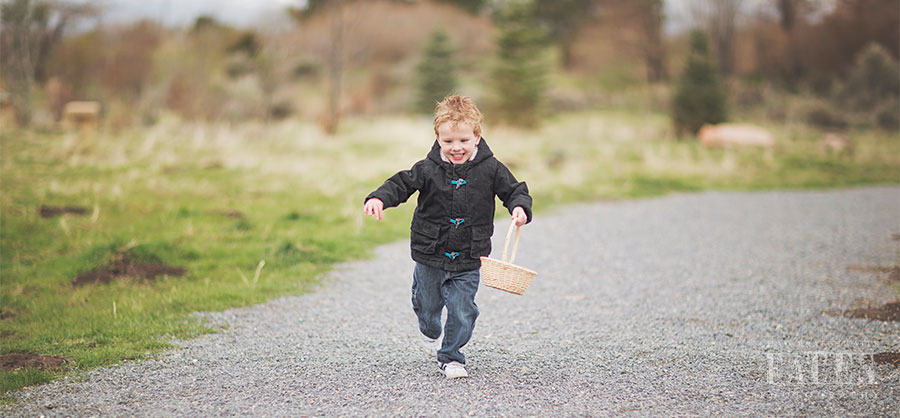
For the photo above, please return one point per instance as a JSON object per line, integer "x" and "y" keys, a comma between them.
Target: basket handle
{"x": 515, "y": 244}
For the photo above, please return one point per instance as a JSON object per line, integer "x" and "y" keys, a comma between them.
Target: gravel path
{"x": 702, "y": 304}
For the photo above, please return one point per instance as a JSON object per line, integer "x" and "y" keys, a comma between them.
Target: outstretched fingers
{"x": 374, "y": 207}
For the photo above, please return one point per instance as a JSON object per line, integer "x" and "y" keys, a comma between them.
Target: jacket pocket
{"x": 423, "y": 236}
{"x": 481, "y": 240}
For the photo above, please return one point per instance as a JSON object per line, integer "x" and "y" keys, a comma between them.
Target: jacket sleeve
{"x": 512, "y": 192}
{"x": 399, "y": 187}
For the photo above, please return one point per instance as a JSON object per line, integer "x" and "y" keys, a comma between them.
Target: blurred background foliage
{"x": 341, "y": 58}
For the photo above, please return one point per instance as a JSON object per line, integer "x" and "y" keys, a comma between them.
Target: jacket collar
{"x": 484, "y": 152}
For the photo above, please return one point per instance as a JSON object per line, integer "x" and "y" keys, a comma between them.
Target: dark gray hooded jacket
{"x": 454, "y": 219}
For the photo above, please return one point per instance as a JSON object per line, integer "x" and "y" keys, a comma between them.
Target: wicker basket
{"x": 503, "y": 274}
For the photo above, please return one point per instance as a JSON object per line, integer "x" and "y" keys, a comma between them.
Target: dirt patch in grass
{"x": 890, "y": 312}
{"x": 9, "y": 335}
{"x": 51, "y": 211}
{"x": 230, "y": 213}
{"x": 126, "y": 266}
{"x": 6, "y": 314}
{"x": 887, "y": 357}
{"x": 13, "y": 361}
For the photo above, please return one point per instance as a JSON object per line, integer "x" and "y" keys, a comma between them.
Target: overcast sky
{"x": 264, "y": 12}
{"x": 183, "y": 12}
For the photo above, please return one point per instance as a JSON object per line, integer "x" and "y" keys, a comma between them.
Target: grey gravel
{"x": 703, "y": 304}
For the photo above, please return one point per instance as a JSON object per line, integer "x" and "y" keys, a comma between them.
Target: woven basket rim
{"x": 503, "y": 263}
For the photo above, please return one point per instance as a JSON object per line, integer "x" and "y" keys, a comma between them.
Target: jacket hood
{"x": 484, "y": 152}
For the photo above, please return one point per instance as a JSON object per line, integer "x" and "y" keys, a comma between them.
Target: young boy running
{"x": 452, "y": 224}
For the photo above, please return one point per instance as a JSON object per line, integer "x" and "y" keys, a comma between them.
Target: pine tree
{"x": 519, "y": 78}
{"x": 872, "y": 81}
{"x": 436, "y": 73}
{"x": 700, "y": 97}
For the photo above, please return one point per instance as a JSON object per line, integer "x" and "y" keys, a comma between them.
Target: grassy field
{"x": 255, "y": 211}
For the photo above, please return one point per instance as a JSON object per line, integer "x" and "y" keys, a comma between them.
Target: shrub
{"x": 888, "y": 116}
{"x": 305, "y": 69}
{"x": 281, "y": 110}
{"x": 699, "y": 97}
{"x": 823, "y": 116}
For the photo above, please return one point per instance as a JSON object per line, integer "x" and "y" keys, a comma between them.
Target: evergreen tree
{"x": 700, "y": 97}
{"x": 436, "y": 73}
{"x": 873, "y": 80}
{"x": 519, "y": 77}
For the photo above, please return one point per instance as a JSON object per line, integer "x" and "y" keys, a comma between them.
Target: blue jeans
{"x": 432, "y": 290}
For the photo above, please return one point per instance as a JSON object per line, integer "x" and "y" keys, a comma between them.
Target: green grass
{"x": 218, "y": 200}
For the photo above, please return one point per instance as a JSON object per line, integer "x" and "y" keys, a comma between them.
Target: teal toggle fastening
{"x": 457, "y": 221}
{"x": 452, "y": 255}
{"x": 458, "y": 183}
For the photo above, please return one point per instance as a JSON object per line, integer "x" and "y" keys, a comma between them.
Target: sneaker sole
{"x": 449, "y": 376}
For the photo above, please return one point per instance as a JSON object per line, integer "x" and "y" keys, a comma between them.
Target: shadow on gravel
{"x": 13, "y": 361}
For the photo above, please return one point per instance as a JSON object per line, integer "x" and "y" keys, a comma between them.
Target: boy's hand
{"x": 519, "y": 216}
{"x": 374, "y": 207}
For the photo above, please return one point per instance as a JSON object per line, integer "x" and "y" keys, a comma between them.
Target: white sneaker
{"x": 430, "y": 346}
{"x": 453, "y": 370}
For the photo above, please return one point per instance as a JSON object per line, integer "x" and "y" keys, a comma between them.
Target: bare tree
{"x": 340, "y": 33}
{"x": 562, "y": 19}
{"x": 722, "y": 30}
{"x": 645, "y": 18}
{"x": 30, "y": 29}
{"x": 787, "y": 9}
{"x": 720, "y": 19}
{"x": 654, "y": 51}
{"x": 793, "y": 13}
{"x": 335, "y": 66}
{"x": 23, "y": 26}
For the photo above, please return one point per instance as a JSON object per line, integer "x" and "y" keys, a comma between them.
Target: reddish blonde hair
{"x": 457, "y": 110}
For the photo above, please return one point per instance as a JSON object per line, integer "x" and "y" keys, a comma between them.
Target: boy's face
{"x": 457, "y": 141}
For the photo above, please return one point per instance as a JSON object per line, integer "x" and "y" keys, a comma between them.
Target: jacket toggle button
{"x": 457, "y": 221}
{"x": 458, "y": 183}
{"x": 452, "y": 256}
